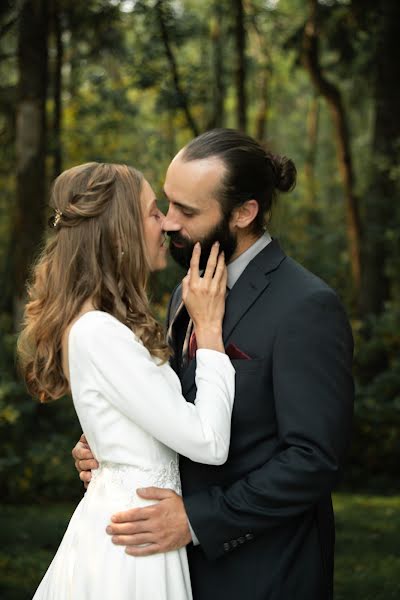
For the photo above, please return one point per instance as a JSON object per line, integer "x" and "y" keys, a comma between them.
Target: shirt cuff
{"x": 194, "y": 536}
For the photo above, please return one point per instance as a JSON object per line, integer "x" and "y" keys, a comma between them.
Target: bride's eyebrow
{"x": 152, "y": 206}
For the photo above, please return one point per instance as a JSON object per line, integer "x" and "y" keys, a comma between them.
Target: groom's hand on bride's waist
{"x": 84, "y": 460}
{"x": 162, "y": 526}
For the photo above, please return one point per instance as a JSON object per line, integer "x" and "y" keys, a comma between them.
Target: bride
{"x": 88, "y": 331}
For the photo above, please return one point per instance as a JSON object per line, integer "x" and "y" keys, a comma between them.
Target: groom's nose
{"x": 171, "y": 222}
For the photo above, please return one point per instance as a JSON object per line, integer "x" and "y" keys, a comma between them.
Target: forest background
{"x": 133, "y": 81}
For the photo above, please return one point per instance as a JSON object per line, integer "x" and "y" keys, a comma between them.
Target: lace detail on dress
{"x": 121, "y": 481}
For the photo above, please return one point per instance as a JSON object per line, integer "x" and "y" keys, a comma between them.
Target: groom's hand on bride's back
{"x": 84, "y": 460}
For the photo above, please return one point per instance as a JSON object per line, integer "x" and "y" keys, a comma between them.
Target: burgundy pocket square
{"x": 234, "y": 352}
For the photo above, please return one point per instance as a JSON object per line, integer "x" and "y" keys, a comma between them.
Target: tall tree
{"x": 383, "y": 195}
{"x": 217, "y": 35}
{"x": 309, "y": 165}
{"x": 30, "y": 137}
{"x": 57, "y": 86}
{"x": 334, "y": 99}
{"x": 263, "y": 77}
{"x": 182, "y": 96}
{"x": 240, "y": 65}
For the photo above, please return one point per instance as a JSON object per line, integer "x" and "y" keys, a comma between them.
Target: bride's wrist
{"x": 210, "y": 328}
{"x": 210, "y": 336}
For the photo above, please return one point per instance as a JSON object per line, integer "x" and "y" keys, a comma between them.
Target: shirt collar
{"x": 236, "y": 268}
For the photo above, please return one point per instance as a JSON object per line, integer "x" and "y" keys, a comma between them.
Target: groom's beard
{"x": 220, "y": 233}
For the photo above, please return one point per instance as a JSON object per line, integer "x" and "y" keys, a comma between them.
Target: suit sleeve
{"x": 313, "y": 395}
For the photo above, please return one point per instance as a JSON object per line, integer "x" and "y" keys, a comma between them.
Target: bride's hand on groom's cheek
{"x": 162, "y": 527}
{"x": 84, "y": 460}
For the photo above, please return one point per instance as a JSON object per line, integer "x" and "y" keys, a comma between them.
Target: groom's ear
{"x": 244, "y": 215}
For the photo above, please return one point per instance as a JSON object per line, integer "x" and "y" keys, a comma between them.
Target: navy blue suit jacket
{"x": 264, "y": 519}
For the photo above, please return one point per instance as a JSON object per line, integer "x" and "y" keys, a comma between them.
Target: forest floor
{"x": 367, "y": 548}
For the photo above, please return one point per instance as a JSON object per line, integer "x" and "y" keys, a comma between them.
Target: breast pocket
{"x": 253, "y": 393}
{"x": 242, "y": 365}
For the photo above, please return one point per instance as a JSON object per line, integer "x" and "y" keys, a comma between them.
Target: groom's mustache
{"x": 176, "y": 237}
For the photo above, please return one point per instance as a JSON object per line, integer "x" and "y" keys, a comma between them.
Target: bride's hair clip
{"x": 55, "y": 219}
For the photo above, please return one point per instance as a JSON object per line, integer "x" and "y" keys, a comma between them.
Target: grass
{"x": 367, "y": 550}
{"x": 367, "y": 547}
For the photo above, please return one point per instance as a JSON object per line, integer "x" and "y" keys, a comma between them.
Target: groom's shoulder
{"x": 294, "y": 276}
{"x": 296, "y": 286}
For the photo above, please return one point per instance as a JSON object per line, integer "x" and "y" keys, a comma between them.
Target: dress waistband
{"x": 128, "y": 476}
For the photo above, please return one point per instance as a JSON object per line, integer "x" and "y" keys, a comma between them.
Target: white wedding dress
{"x": 136, "y": 420}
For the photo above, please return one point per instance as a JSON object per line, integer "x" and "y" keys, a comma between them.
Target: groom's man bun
{"x": 251, "y": 171}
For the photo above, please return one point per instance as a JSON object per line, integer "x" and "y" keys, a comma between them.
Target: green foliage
{"x": 378, "y": 362}
{"x": 36, "y": 444}
{"x": 120, "y": 103}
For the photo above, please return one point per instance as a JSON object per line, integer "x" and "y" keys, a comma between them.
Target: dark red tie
{"x": 192, "y": 346}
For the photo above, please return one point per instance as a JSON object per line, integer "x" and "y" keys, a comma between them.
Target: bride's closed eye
{"x": 159, "y": 214}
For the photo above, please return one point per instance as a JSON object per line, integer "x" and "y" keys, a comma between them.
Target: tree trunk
{"x": 265, "y": 68}
{"x": 309, "y": 167}
{"x": 240, "y": 70}
{"x": 183, "y": 100}
{"x": 57, "y": 89}
{"x": 216, "y": 34}
{"x": 382, "y": 197}
{"x": 30, "y": 138}
{"x": 262, "y": 111}
{"x": 335, "y": 103}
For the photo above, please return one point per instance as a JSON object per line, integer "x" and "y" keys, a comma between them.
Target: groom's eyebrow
{"x": 182, "y": 205}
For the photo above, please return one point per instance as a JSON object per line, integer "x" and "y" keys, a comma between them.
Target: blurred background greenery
{"x": 134, "y": 80}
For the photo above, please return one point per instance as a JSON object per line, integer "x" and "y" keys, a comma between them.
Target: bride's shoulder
{"x": 98, "y": 328}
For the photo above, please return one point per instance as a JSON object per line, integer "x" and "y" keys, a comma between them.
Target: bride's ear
{"x": 244, "y": 215}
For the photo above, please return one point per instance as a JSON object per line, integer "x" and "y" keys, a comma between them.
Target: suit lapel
{"x": 251, "y": 284}
{"x": 175, "y": 319}
{"x": 176, "y": 329}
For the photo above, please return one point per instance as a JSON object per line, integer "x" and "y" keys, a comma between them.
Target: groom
{"x": 261, "y": 526}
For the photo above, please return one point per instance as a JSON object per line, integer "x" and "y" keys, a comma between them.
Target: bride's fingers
{"x": 211, "y": 263}
{"x": 185, "y": 287}
{"x": 219, "y": 269}
{"x": 217, "y": 282}
{"x": 224, "y": 281}
{"x": 194, "y": 263}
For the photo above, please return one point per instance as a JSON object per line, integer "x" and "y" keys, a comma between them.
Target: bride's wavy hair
{"x": 96, "y": 251}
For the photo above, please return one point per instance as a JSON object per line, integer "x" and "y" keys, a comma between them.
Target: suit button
{"x": 241, "y": 540}
{"x": 249, "y": 536}
{"x": 227, "y": 547}
{"x": 234, "y": 543}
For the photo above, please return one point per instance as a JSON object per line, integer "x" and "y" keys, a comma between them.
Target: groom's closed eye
{"x": 187, "y": 212}
{"x": 185, "y": 209}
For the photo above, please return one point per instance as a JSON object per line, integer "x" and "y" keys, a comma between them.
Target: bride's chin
{"x": 160, "y": 266}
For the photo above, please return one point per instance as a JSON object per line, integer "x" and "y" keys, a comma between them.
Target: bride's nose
{"x": 162, "y": 219}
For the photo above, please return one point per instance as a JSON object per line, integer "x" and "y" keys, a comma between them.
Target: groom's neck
{"x": 244, "y": 241}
